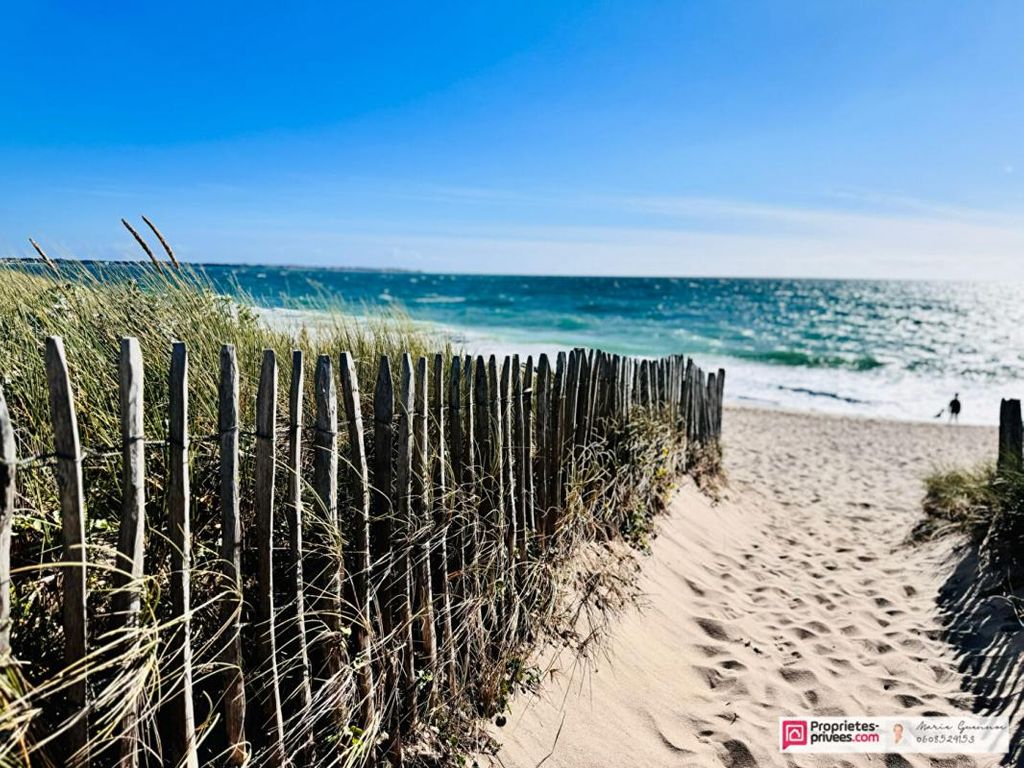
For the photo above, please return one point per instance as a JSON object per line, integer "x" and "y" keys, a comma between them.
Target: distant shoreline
{"x": 17, "y": 260}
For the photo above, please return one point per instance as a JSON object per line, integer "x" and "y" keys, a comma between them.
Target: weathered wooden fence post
{"x": 68, "y": 449}
{"x": 325, "y": 575}
{"x": 495, "y": 466}
{"x": 458, "y": 514}
{"x": 422, "y": 535}
{"x": 181, "y": 738}
{"x": 132, "y": 530}
{"x": 402, "y": 565}
{"x": 508, "y": 494}
{"x": 556, "y": 418}
{"x": 582, "y": 420}
{"x": 481, "y": 435}
{"x": 442, "y": 547}
{"x": 266, "y": 449}
{"x": 459, "y": 522}
{"x": 359, "y": 523}
{"x": 710, "y": 397}
{"x": 720, "y": 381}
{"x": 1011, "y": 437}
{"x": 530, "y": 491}
{"x": 541, "y": 463}
{"x": 292, "y": 650}
{"x": 386, "y": 561}
{"x": 8, "y": 472}
{"x": 690, "y": 399}
{"x": 231, "y": 557}
{"x": 518, "y": 455}
{"x": 466, "y": 469}
{"x": 570, "y": 415}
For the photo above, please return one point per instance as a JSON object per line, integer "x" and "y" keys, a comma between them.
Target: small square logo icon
{"x": 794, "y": 734}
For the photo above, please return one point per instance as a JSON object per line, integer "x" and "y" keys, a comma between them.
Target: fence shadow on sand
{"x": 982, "y": 624}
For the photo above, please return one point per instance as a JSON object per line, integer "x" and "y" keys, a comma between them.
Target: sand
{"x": 797, "y": 593}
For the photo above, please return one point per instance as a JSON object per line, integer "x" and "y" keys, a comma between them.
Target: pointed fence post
{"x": 555, "y": 437}
{"x": 542, "y": 396}
{"x": 359, "y": 552}
{"x": 570, "y": 417}
{"x": 441, "y": 546}
{"x": 481, "y": 465}
{"x": 720, "y": 380}
{"x": 509, "y": 494}
{"x": 325, "y": 569}
{"x": 423, "y": 530}
{"x": 292, "y": 651}
{"x": 402, "y": 568}
{"x": 181, "y": 736}
{"x": 131, "y": 533}
{"x": 460, "y": 390}
{"x": 530, "y": 503}
{"x": 518, "y": 454}
{"x": 383, "y": 530}
{"x": 1011, "y": 437}
{"x": 68, "y": 449}
{"x": 582, "y": 421}
{"x": 8, "y": 471}
{"x": 468, "y": 431}
{"x": 456, "y": 454}
{"x": 231, "y": 557}
{"x": 266, "y": 459}
{"x": 494, "y": 526}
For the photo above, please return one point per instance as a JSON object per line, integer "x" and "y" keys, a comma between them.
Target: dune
{"x": 798, "y": 592}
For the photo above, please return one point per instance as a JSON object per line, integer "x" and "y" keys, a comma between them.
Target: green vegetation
{"x": 158, "y": 306}
{"x": 986, "y": 505}
{"x": 961, "y": 500}
{"x": 562, "y": 590}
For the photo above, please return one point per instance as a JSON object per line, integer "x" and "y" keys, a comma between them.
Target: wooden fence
{"x": 464, "y": 478}
{"x": 1011, "y": 437}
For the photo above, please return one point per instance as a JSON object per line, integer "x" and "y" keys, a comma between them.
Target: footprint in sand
{"x": 733, "y": 665}
{"x": 798, "y": 676}
{"x": 713, "y": 629}
{"x": 737, "y": 755}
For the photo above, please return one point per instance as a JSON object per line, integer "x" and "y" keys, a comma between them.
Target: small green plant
{"x": 988, "y": 506}
{"x": 961, "y": 500}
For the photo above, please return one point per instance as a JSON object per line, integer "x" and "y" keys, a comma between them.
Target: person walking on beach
{"x": 954, "y": 408}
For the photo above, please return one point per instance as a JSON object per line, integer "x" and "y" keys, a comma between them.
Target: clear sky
{"x": 816, "y": 138}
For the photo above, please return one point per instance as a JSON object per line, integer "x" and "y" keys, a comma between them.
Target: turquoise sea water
{"x": 878, "y": 348}
{"x": 883, "y": 348}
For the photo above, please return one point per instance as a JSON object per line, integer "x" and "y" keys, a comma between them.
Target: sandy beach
{"x": 797, "y": 593}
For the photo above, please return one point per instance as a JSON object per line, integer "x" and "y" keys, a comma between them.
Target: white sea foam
{"x": 884, "y": 392}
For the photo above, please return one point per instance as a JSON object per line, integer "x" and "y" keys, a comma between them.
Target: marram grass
{"x": 563, "y": 597}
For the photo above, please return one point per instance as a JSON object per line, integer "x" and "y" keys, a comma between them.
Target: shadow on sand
{"x": 981, "y": 624}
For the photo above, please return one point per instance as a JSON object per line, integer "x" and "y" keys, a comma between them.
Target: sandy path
{"x": 796, "y": 594}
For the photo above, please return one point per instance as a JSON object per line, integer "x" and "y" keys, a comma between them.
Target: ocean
{"x": 894, "y": 349}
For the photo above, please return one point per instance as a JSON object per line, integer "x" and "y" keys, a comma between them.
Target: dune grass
{"x": 563, "y": 596}
{"x": 962, "y": 500}
{"x": 157, "y": 306}
{"x": 987, "y": 505}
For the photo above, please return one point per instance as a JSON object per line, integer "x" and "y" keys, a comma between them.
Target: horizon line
{"x": 5, "y": 260}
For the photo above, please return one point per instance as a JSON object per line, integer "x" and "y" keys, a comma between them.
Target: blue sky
{"x": 682, "y": 138}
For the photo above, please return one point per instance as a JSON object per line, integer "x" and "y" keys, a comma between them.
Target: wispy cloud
{"x": 361, "y": 222}
{"x": 881, "y": 237}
